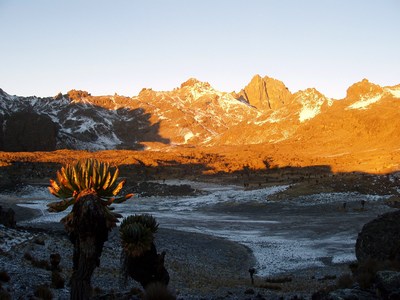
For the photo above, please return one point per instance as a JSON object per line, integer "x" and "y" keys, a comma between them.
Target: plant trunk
{"x": 147, "y": 268}
{"x": 88, "y": 232}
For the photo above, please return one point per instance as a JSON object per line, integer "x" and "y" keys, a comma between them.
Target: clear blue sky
{"x": 122, "y": 46}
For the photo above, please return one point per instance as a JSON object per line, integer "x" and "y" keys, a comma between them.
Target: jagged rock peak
{"x": 265, "y": 93}
{"x": 363, "y": 89}
{"x": 312, "y": 102}
{"x": 192, "y": 82}
{"x": 309, "y": 93}
{"x": 77, "y": 95}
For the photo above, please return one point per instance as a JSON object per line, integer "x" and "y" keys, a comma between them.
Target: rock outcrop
{"x": 388, "y": 284}
{"x": 1, "y": 131}
{"x": 265, "y": 93}
{"x": 380, "y": 239}
{"x": 27, "y": 131}
{"x": 196, "y": 114}
{"x": 7, "y": 217}
{"x": 363, "y": 89}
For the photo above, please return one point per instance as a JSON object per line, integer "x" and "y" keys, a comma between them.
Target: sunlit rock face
{"x": 26, "y": 131}
{"x": 363, "y": 89}
{"x": 266, "y": 93}
{"x": 195, "y": 114}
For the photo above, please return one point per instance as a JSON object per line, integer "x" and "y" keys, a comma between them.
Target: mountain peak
{"x": 363, "y": 89}
{"x": 193, "y": 82}
{"x": 311, "y": 101}
{"x": 2, "y": 93}
{"x": 265, "y": 93}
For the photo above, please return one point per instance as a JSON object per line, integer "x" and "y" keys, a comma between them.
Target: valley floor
{"x": 201, "y": 266}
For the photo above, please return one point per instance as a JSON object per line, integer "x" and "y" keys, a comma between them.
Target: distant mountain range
{"x": 195, "y": 114}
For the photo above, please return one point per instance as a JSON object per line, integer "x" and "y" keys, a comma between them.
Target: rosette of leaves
{"x": 137, "y": 234}
{"x": 139, "y": 257}
{"x": 87, "y": 176}
{"x": 91, "y": 187}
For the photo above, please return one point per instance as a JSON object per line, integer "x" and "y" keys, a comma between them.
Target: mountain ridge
{"x": 196, "y": 114}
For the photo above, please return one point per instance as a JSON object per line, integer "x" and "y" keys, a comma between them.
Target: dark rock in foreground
{"x": 7, "y": 217}
{"x": 388, "y": 284}
{"x": 380, "y": 239}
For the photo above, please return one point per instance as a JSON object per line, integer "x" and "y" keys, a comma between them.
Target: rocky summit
{"x": 195, "y": 114}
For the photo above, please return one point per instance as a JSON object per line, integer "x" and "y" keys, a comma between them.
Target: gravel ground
{"x": 200, "y": 266}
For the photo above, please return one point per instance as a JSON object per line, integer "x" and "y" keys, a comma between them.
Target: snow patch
{"x": 279, "y": 243}
{"x": 394, "y": 91}
{"x": 188, "y": 136}
{"x": 311, "y": 102}
{"x": 109, "y": 142}
{"x": 308, "y": 113}
{"x": 11, "y": 237}
{"x": 363, "y": 103}
{"x": 329, "y": 198}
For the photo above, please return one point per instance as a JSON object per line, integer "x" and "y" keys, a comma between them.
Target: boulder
{"x": 380, "y": 239}
{"x": 7, "y": 217}
{"x": 28, "y": 131}
{"x": 388, "y": 284}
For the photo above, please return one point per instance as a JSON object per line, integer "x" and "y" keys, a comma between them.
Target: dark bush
{"x": 28, "y": 256}
{"x": 158, "y": 291}
{"x": 345, "y": 281}
{"x": 366, "y": 271}
{"x": 4, "y": 276}
{"x": 39, "y": 241}
{"x": 42, "y": 264}
{"x": 57, "y": 281}
{"x": 43, "y": 292}
{"x": 55, "y": 259}
{"x": 4, "y": 295}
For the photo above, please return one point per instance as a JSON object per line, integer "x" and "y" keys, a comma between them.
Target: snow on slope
{"x": 311, "y": 101}
{"x": 81, "y": 125}
{"x": 364, "y": 102}
{"x": 195, "y": 113}
{"x": 395, "y": 91}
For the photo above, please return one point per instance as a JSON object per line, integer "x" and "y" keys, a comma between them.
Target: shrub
{"x": 39, "y": 241}
{"x": 345, "y": 281}
{"x": 28, "y": 256}
{"x": 4, "y": 295}
{"x": 41, "y": 264}
{"x": 158, "y": 291}
{"x": 4, "y": 276}
{"x": 57, "y": 281}
{"x": 366, "y": 270}
{"x": 43, "y": 292}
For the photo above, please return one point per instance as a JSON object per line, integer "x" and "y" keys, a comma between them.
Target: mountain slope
{"x": 196, "y": 114}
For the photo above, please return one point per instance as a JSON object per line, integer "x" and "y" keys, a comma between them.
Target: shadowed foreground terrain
{"x": 195, "y": 261}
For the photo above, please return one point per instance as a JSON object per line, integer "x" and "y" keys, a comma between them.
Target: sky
{"x": 122, "y": 46}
